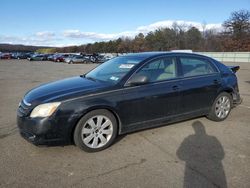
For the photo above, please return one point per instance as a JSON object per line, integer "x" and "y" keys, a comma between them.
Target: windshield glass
{"x": 114, "y": 70}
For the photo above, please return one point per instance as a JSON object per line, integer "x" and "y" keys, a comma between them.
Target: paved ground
{"x": 194, "y": 153}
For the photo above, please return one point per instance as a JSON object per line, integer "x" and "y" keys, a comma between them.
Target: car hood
{"x": 63, "y": 89}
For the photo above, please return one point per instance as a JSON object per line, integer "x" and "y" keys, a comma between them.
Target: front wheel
{"x": 221, "y": 107}
{"x": 95, "y": 131}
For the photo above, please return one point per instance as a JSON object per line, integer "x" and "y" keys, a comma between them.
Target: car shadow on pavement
{"x": 203, "y": 155}
{"x": 55, "y": 144}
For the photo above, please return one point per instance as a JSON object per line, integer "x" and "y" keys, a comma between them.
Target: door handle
{"x": 175, "y": 87}
{"x": 216, "y": 81}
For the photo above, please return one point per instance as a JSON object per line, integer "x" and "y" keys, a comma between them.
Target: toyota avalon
{"x": 126, "y": 94}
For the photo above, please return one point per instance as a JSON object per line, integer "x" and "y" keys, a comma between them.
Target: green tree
{"x": 138, "y": 43}
{"x": 193, "y": 38}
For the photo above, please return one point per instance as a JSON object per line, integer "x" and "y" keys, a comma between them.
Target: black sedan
{"x": 126, "y": 94}
{"x": 20, "y": 55}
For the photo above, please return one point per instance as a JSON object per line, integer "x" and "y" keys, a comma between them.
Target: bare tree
{"x": 238, "y": 24}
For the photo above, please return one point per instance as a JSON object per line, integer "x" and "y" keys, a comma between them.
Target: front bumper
{"x": 42, "y": 131}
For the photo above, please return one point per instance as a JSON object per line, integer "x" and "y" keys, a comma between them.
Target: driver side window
{"x": 159, "y": 70}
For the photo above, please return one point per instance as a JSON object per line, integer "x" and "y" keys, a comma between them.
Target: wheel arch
{"x": 228, "y": 90}
{"x": 102, "y": 107}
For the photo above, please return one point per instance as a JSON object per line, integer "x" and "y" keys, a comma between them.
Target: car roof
{"x": 147, "y": 55}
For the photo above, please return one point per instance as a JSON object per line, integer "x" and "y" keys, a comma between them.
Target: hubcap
{"x": 97, "y": 131}
{"x": 222, "y": 107}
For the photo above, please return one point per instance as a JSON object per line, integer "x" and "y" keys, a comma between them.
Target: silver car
{"x": 75, "y": 59}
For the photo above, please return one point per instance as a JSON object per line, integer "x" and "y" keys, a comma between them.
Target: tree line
{"x": 21, "y": 48}
{"x": 235, "y": 36}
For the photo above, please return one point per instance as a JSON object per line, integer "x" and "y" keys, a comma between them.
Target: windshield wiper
{"x": 90, "y": 78}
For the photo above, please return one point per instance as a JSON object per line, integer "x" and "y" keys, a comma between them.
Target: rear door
{"x": 200, "y": 84}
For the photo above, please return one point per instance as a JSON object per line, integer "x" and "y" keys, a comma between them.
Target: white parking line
{"x": 244, "y": 106}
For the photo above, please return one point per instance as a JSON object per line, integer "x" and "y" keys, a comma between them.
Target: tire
{"x": 91, "y": 138}
{"x": 220, "y": 110}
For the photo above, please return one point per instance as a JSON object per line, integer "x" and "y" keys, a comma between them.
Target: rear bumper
{"x": 236, "y": 98}
{"x": 238, "y": 102}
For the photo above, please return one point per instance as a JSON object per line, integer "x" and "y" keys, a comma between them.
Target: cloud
{"x": 182, "y": 23}
{"x": 77, "y": 34}
{"x": 37, "y": 39}
{"x": 77, "y": 37}
{"x": 45, "y": 34}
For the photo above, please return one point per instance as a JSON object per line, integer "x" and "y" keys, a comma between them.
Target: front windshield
{"x": 114, "y": 70}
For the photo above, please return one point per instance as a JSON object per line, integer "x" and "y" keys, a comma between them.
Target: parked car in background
{"x": 97, "y": 58}
{"x": 76, "y": 59}
{"x": 90, "y": 58}
{"x": 58, "y": 58}
{"x": 126, "y": 94}
{"x": 61, "y": 57}
{"x": 101, "y": 59}
{"x": 55, "y": 56}
{"x": 20, "y": 55}
{"x": 51, "y": 57}
{"x": 38, "y": 57}
{"x": 5, "y": 56}
{"x": 46, "y": 56}
{"x": 68, "y": 59}
{"x": 29, "y": 54}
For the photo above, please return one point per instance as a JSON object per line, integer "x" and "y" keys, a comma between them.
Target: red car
{"x": 61, "y": 58}
{"x": 5, "y": 56}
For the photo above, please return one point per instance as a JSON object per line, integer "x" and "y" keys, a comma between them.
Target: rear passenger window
{"x": 160, "y": 69}
{"x": 194, "y": 67}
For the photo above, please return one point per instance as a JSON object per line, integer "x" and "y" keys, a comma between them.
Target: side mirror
{"x": 138, "y": 80}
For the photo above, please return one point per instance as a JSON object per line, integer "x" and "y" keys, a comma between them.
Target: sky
{"x": 75, "y": 22}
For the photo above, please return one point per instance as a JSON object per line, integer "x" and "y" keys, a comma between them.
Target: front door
{"x": 156, "y": 100}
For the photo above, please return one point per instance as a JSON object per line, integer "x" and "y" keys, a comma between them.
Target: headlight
{"x": 44, "y": 110}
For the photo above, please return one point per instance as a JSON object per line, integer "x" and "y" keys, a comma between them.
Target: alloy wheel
{"x": 222, "y": 107}
{"x": 97, "y": 131}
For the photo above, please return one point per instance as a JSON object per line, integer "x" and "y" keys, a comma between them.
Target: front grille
{"x": 23, "y": 109}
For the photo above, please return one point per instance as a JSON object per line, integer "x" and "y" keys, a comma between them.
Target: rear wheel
{"x": 95, "y": 131}
{"x": 221, "y": 107}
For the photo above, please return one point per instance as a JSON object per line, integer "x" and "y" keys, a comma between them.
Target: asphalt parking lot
{"x": 193, "y": 153}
